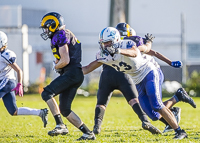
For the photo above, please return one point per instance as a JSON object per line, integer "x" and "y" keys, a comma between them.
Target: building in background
{"x": 87, "y": 18}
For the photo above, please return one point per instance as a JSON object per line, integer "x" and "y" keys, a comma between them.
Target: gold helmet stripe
{"x": 47, "y": 18}
{"x": 128, "y": 31}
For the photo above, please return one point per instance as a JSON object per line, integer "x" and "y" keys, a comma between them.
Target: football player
{"x": 125, "y": 56}
{"x": 66, "y": 49}
{"x": 127, "y": 32}
{"x": 8, "y": 87}
{"x": 124, "y": 83}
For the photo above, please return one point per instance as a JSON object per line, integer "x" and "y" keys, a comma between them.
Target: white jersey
{"x": 138, "y": 67}
{"x": 151, "y": 59}
{"x": 7, "y": 57}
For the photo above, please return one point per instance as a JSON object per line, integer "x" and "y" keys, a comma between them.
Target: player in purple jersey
{"x": 8, "y": 88}
{"x": 125, "y": 57}
{"x": 180, "y": 95}
{"x": 67, "y": 52}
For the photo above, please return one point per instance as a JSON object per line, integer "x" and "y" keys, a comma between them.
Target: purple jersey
{"x": 138, "y": 40}
{"x": 63, "y": 37}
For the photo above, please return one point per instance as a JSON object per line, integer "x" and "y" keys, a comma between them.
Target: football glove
{"x": 176, "y": 64}
{"x": 55, "y": 70}
{"x": 18, "y": 89}
{"x": 113, "y": 51}
{"x": 149, "y": 38}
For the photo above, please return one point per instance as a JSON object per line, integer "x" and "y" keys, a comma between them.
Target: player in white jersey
{"x": 125, "y": 57}
{"x": 8, "y": 86}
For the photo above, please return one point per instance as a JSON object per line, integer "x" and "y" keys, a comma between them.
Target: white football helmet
{"x": 3, "y": 39}
{"x": 109, "y": 34}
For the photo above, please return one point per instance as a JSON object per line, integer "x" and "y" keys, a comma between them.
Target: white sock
{"x": 28, "y": 111}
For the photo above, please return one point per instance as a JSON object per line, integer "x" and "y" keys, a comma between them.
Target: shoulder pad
{"x": 59, "y": 39}
{"x": 100, "y": 56}
{"x": 9, "y": 56}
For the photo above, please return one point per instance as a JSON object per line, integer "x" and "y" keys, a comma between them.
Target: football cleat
{"x": 96, "y": 129}
{"x": 87, "y": 136}
{"x": 43, "y": 115}
{"x": 180, "y": 135}
{"x": 148, "y": 126}
{"x": 177, "y": 114}
{"x": 183, "y": 96}
{"x": 59, "y": 130}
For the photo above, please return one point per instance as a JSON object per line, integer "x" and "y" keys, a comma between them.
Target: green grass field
{"x": 120, "y": 123}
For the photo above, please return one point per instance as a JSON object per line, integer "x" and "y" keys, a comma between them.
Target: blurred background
{"x": 175, "y": 24}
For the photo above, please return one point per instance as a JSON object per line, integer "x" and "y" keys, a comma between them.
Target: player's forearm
{"x": 19, "y": 72}
{"x": 159, "y": 56}
{"x": 92, "y": 66}
{"x": 62, "y": 63}
{"x": 19, "y": 76}
{"x": 145, "y": 48}
{"x": 128, "y": 52}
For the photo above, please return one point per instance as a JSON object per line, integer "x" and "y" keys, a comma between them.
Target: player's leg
{"x": 153, "y": 115}
{"x": 106, "y": 87}
{"x": 177, "y": 114}
{"x": 128, "y": 88}
{"x": 58, "y": 85}
{"x": 103, "y": 97}
{"x": 180, "y": 95}
{"x": 66, "y": 98}
{"x": 153, "y": 88}
{"x": 9, "y": 100}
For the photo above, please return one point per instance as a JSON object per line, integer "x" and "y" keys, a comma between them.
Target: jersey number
{"x": 122, "y": 67}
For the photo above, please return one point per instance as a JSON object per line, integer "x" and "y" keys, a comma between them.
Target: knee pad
{"x": 65, "y": 112}
{"x": 46, "y": 95}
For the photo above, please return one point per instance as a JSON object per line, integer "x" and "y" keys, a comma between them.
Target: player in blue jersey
{"x": 8, "y": 87}
{"x": 67, "y": 52}
{"x": 181, "y": 95}
{"x": 126, "y": 57}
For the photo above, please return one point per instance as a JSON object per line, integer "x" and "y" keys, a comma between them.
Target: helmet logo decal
{"x": 112, "y": 33}
{"x": 50, "y": 17}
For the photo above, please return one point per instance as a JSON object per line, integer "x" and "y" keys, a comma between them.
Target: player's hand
{"x": 55, "y": 70}
{"x": 112, "y": 50}
{"x": 149, "y": 37}
{"x": 176, "y": 64}
{"x": 18, "y": 89}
